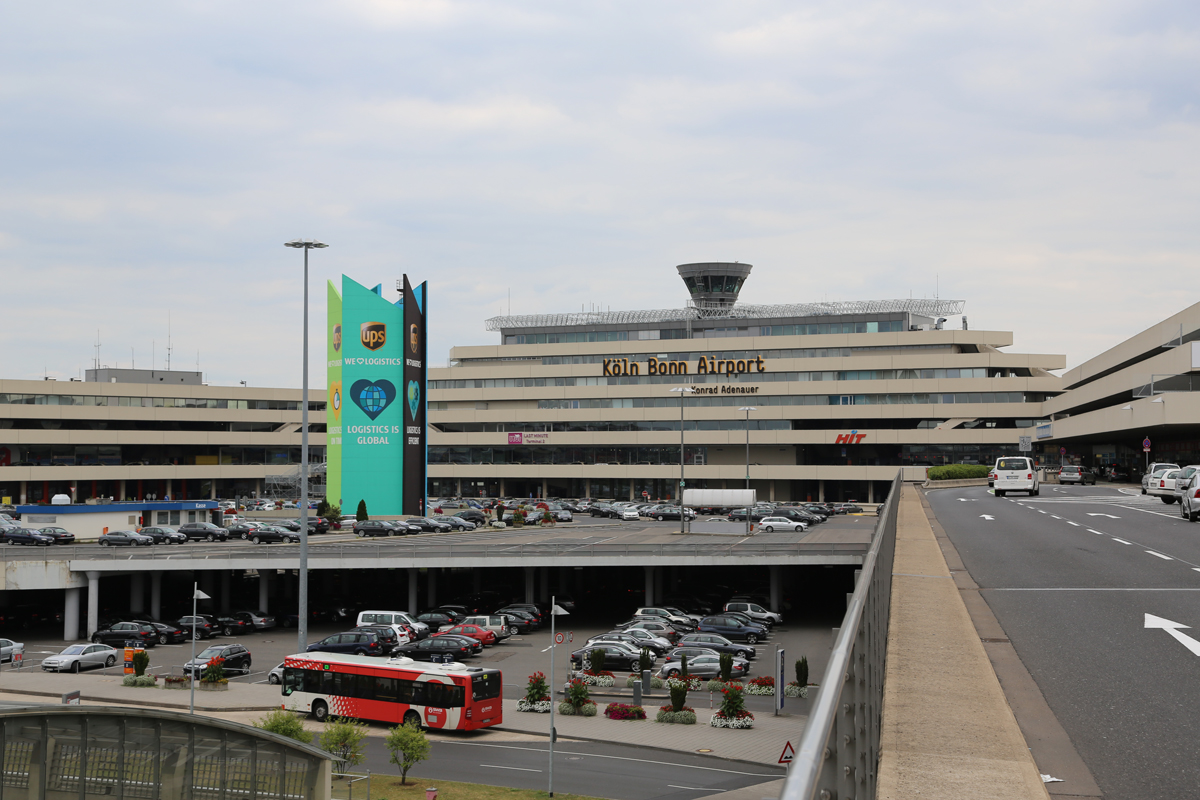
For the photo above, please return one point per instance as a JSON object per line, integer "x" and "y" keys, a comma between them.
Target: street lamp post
{"x": 747, "y": 409}
{"x": 555, "y": 611}
{"x": 683, "y": 392}
{"x": 196, "y": 595}
{"x": 302, "y": 611}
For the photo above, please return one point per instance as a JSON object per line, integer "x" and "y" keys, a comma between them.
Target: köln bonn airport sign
{"x": 376, "y": 405}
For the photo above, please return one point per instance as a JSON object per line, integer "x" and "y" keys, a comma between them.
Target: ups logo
{"x": 414, "y": 340}
{"x": 374, "y": 335}
{"x": 337, "y": 338}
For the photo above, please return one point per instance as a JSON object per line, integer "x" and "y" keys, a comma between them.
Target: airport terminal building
{"x": 833, "y": 397}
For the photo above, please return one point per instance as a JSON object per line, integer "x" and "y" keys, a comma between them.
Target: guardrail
{"x": 838, "y": 755}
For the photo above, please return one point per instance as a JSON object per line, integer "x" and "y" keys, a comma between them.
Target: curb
{"x": 122, "y": 702}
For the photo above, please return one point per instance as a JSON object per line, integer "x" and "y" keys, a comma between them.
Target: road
{"x": 1096, "y": 588}
{"x": 619, "y": 772}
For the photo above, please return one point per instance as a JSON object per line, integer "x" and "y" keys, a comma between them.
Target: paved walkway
{"x": 948, "y": 731}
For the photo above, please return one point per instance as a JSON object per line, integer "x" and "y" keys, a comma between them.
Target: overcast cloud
{"x": 1038, "y": 160}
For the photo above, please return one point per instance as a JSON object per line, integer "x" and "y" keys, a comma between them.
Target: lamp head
{"x": 307, "y": 244}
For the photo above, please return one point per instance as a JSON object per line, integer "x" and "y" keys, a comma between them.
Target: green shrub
{"x": 344, "y": 740}
{"x": 596, "y": 658}
{"x": 138, "y": 680}
{"x": 141, "y": 660}
{"x": 408, "y": 745}
{"x": 285, "y": 723}
{"x": 802, "y": 671}
{"x": 957, "y": 472}
{"x": 361, "y": 514}
{"x": 726, "y": 667}
{"x": 645, "y": 661}
{"x": 679, "y": 691}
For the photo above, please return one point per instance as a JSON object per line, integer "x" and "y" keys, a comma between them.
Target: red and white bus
{"x": 395, "y": 690}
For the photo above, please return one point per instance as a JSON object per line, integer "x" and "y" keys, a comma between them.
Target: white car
{"x": 1162, "y": 484}
{"x": 631, "y": 514}
{"x": 1015, "y": 473}
{"x": 9, "y": 649}
{"x": 496, "y": 623}
{"x": 81, "y": 656}
{"x": 782, "y": 524}
{"x": 1184, "y": 479}
{"x": 1151, "y": 469}
{"x": 655, "y": 643}
{"x": 275, "y": 676}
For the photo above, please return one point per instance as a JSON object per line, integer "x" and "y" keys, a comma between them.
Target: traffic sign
{"x": 1062, "y": 451}
{"x": 570, "y": 636}
{"x": 558, "y": 638}
{"x": 788, "y": 753}
{"x": 1146, "y": 444}
{"x": 1026, "y": 444}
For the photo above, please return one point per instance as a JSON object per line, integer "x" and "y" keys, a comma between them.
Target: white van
{"x": 396, "y": 620}
{"x": 1015, "y": 474}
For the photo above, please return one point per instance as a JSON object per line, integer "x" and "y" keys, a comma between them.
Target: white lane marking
{"x": 1160, "y": 555}
{"x": 1110, "y": 516}
{"x": 1053, "y": 516}
{"x": 1122, "y": 541}
{"x": 689, "y": 788}
{"x": 1197, "y": 569}
{"x": 1098, "y": 533}
{"x": 1076, "y": 524}
{"x": 621, "y": 758}
{"x": 985, "y": 516}
{"x": 1040, "y": 511}
{"x": 520, "y": 769}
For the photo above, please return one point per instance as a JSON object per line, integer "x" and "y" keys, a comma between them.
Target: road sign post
{"x": 780, "y": 678}
{"x": 1025, "y": 444}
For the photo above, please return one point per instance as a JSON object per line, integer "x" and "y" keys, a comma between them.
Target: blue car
{"x": 356, "y": 642}
{"x": 732, "y": 628}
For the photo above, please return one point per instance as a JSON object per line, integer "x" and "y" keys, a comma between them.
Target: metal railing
{"x": 838, "y": 754}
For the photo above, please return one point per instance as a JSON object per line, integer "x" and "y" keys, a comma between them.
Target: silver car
{"x": 10, "y": 649}
{"x": 275, "y": 676}
{"x": 81, "y": 656}
{"x": 704, "y": 667}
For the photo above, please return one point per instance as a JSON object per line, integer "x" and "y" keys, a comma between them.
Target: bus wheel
{"x": 320, "y": 710}
{"x": 412, "y": 718}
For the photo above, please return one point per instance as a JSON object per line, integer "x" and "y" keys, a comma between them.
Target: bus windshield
{"x": 485, "y": 686}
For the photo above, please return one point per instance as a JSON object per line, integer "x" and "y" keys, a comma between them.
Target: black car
{"x": 241, "y": 530}
{"x": 60, "y": 535}
{"x": 436, "y": 648}
{"x": 718, "y": 643}
{"x": 456, "y": 523}
{"x": 236, "y": 659}
{"x": 315, "y": 525}
{"x": 125, "y": 539}
{"x": 270, "y": 533}
{"x": 202, "y": 626}
{"x": 229, "y": 625}
{"x": 739, "y": 515}
{"x": 167, "y": 634}
{"x": 519, "y": 621}
{"x": 474, "y": 644}
{"x": 117, "y": 634}
{"x": 361, "y": 643}
{"x": 428, "y": 525}
{"x": 614, "y": 657}
{"x": 1117, "y": 473}
{"x": 162, "y": 535}
{"x": 388, "y": 638}
{"x": 373, "y": 527}
{"x": 26, "y": 536}
{"x": 204, "y": 530}
{"x": 473, "y": 515}
{"x": 436, "y": 619}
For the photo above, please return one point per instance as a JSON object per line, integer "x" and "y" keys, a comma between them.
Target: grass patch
{"x": 387, "y": 787}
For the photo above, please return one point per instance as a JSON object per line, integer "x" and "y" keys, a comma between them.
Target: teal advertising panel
{"x": 373, "y": 346}
{"x": 333, "y": 403}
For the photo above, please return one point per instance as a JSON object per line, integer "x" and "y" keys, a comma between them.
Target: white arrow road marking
{"x": 985, "y": 516}
{"x": 1173, "y": 629}
{"x": 967, "y": 499}
{"x": 1110, "y": 516}
{"x": 1122, "y": 541}
{"x": 1160, "y": 555}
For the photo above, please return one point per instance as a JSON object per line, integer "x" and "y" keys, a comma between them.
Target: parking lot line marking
{"x": 520, "y": 769}
{"x": 1160, "y": 555}
{"x": 1098, "y": 533}
{"x": 689, "y": 788}
{"x": 1055, "y": 516}
{"x": 1076, "y": 524}
{"x": 1122, "y": 541}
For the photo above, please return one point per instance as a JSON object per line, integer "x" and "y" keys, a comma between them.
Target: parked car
{"x": 230, "y": 625}
{"x": 663, "y": 615}
{"x": 1162, "y": 484}
{"x": 483, "y": 635}
{"x": 472, "y": 515}
{"x": 125, "y": 539}
{"x": 523, "y": 621}
{"x": 260, "y": 620}
{"x": 389, "y": 640}
{"x": 236, "y": 659}
{"x": 203, "y": 530}
{"x": 704, "y": 667}
{"x": 620, "y": 637}
{"x": 662, "y": 630}
{"x": 162, "y": 535}
{"x": 167, "y": 634}
{"x": 732, "y": 628}
{"x": 1116, "y": 472}
{"x": 1076, "y": 474}
{"x": 9, "y": 650}
{"x": 360, "y": 643}
{"x": 437, "y": 620}
{"x": 755, "y": 612}
{"x": 275, "y": 676}
{"x": 644, "y": 638}
{"x": 78, "y": 657}
{"x": 119, "y": 633}
{"x": 1154, "y": 468}
{"x": 435, "y": 649}
{"x": 428, "y": 525}
{"x": 456, "y": 523}
{"x": 616, "y": 656}
{"x": 770, "y": 524}
{"x": 270, "y": 533}
{"x": 202, "y": 627}
{"x": 373, "y": 527}
{"x": 397, "y": 619}
{"x": 60, "y": 535}
{"x": 475, "y": 645}
{"x": 847, "y": 508}
{"x": 719, "y": 643}
{"x": 27, "y": 536}
{"x": 241, "y": 530}
{"x": 630, "y": 514}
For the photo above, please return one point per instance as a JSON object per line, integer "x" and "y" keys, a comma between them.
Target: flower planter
{"x": 206, "y": 686}
{"x": 685, "y": 716}
{"x": 598, "y": 680}
{"x": 624, "y": 711}
{"x": 655, "y": 681}
{"x": 795, "y": 690}
{"x": 537, "y": 707}
{"x": 177, "y": 684}
{"x": 588, "y": 709}
{"x": 743, "y": 720}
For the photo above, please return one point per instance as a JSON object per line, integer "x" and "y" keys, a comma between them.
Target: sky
{"x": 1040, "y": 161}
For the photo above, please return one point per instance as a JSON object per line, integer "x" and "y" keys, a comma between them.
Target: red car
{"x": 483, "y": 635}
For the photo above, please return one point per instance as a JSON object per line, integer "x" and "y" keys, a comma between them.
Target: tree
{"x": 645, "y": 660}
{"x": 408, "y": 745}
{"x": 726, "y": 667}
{"x": 597, "y": 658}
{"x": 343, "y": 739}
{"x": 285, "y": 723}
{"x": 802, "y": 671}
{"x": 361, "y": 514}
{"x": 332, "y": 513}
{"x": 141, "y": 660}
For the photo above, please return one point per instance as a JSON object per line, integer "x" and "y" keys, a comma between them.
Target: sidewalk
{"x": 948, "y": 731}
{"x": 99, "y": 688}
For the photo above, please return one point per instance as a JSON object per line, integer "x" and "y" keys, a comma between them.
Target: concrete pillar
{"x": 776, "y": 588}
{"x": 545, "y": 489}
{"x": 24, "y": 492}
{"x": 431, "y": 586}
{"x": 264, "y": 590}
{"x": 156, "y": 594}
{"x": 587, "y": 489}
{"x": 71, "y": 615}
{"x": 529, "y": 585}
{"x": 649, "y": 600}
{"x": 476, "y": 580}
{"x": 870, "y": 491}
{"x": 168, "y": 493}
{"x": 545, "y": 582}
{"x": 75, "y": 492}
{"x": 137, "y": 593}
{"x": 212, "y": 489}
{"x": 771, "y": 490}
{"x": 412, "y": 590}
{"x": 458, "y": 487}
{"x": 93, "y": 612}
{"x": 821, "y": 491}
{"x": 258, "y": 487}
{"x": 503, "y": 491}
{"x": 224, "y": 591}
{"x": 121, "y": 490}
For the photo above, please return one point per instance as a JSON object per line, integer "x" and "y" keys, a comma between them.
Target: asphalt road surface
{"x": 619, "y": 772}
{"x": 1097, "y": 588}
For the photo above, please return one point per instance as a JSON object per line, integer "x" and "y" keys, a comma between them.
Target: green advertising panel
{"x": 372, "y": 348}
{"x": 333, "y": 372}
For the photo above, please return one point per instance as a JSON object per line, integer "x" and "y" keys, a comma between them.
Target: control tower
{"x": 714, "y": 286}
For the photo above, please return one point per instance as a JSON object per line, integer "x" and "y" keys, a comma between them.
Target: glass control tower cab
{"x": 714, "y": 286}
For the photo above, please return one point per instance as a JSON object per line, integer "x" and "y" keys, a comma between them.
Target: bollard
{"x": 431, "y": 793}
{"x": 637, "y": 693}
{"x": 646, "y": 682}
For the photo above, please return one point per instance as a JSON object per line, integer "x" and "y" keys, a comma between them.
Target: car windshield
{"x": 209, "y": 652}
{"x": 73, "y": 650}
{"x": 1011, "y": 463}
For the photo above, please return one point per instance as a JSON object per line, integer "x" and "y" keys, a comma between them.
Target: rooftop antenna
{"x": 97, "y": 346}
{"x": 132, "y": 365}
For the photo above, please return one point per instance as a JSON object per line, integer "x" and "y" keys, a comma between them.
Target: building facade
{"x": 831, "y": 397}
